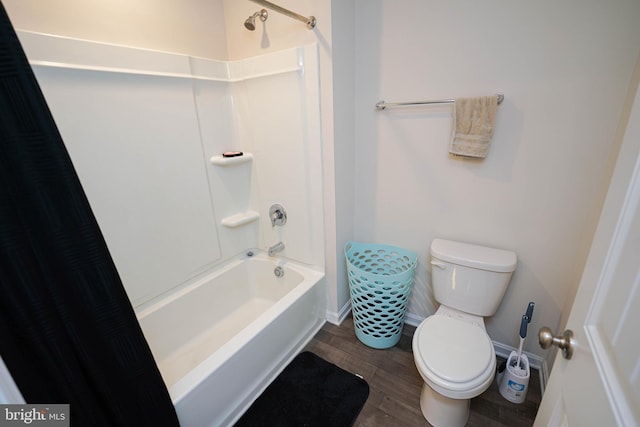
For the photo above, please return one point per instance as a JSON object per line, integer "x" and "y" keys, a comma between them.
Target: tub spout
{"x": 278, "y": 247}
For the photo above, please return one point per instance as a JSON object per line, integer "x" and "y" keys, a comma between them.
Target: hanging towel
{"x": 473, "y": 122}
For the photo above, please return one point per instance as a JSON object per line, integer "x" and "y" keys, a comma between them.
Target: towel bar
{"x": 381, "y": 105}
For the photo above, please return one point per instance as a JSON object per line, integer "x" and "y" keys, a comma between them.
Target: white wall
{"x": 340, "y": 185}
{"x": 190, "y": 27}
{"x": 565, "y": 71}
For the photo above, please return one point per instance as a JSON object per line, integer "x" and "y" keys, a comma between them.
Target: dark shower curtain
{"x": 68, "y": 333}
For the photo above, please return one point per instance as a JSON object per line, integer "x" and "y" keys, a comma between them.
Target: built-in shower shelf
{"x": 231, "y": 161}
{"x": 240, "y": 219}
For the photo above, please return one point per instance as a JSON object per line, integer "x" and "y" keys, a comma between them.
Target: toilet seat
{"x": 456, "y": 358}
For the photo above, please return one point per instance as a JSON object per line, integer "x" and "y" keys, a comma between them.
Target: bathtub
{"x": 220, "y": 341}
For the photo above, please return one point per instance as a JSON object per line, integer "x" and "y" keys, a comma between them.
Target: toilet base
{"x": 443, "y": 411}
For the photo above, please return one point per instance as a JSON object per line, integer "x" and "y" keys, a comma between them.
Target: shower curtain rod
{"x": 310, "y": 21}
{"x": 381, "y": 105}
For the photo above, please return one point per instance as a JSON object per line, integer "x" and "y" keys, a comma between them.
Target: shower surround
{"x": 146, "y": 130}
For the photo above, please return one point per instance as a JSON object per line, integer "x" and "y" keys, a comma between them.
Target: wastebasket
{"x": 380, "y": 280}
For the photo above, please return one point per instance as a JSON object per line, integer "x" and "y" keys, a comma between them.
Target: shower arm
{"x": 310, "y": 21}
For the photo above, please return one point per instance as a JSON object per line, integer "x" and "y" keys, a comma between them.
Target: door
{"x": 600, "y": 384}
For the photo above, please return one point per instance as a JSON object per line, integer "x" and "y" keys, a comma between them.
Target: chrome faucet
{"x": 278, "y": 247}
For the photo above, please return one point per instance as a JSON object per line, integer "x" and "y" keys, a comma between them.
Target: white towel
{"x": 473, "y": 123}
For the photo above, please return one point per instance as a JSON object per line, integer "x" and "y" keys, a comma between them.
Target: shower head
{"x": 250, "y": 23}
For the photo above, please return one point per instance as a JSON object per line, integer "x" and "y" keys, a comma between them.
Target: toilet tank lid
{"x": 475, "y": 256}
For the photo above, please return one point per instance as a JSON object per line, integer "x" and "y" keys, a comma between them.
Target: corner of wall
{"x": 337, "y": 317}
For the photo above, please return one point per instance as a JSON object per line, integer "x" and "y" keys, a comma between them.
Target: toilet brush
{"x": 526, "y": 319}
{"x": 523, "y": 334}
{"x": 513, "y": 375}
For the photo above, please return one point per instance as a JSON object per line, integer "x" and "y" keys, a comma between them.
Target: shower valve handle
{"x": 277, "y": 214}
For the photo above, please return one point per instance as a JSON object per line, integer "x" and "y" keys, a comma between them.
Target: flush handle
{"x": 547, "y": 339}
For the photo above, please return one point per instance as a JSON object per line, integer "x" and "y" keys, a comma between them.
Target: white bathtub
{"x": 221, "y": 341}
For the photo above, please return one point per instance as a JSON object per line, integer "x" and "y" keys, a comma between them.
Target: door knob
{"x": 546, "y": 340}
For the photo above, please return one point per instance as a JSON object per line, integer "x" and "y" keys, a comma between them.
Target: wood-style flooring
{"x": 395, "y": 384}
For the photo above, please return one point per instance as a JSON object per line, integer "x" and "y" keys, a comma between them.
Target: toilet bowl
{"x": 452, "y": 350}
{"x": 455, "y": 358}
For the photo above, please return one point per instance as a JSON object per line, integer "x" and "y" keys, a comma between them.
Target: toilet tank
{"x": 470, "y": 278}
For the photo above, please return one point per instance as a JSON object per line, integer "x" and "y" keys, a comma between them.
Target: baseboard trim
{"x": 336, "y": 318}
{"x": 412, "y": 319}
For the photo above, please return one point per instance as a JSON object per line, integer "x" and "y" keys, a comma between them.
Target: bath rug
{"x": 309, "y": 392}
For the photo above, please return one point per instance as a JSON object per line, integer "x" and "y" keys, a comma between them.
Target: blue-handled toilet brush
{"x": 523, "y": 335}
{"x": 526, "y": 319}
{"x": 513, "y": 374}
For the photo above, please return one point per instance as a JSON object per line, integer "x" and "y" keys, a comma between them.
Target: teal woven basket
{"x": 380, "y": 280}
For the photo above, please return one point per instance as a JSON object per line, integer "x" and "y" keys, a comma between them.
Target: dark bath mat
{"x": 310, "y": 392}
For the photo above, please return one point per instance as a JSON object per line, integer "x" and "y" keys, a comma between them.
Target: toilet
{"x": 452, "y": 350}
